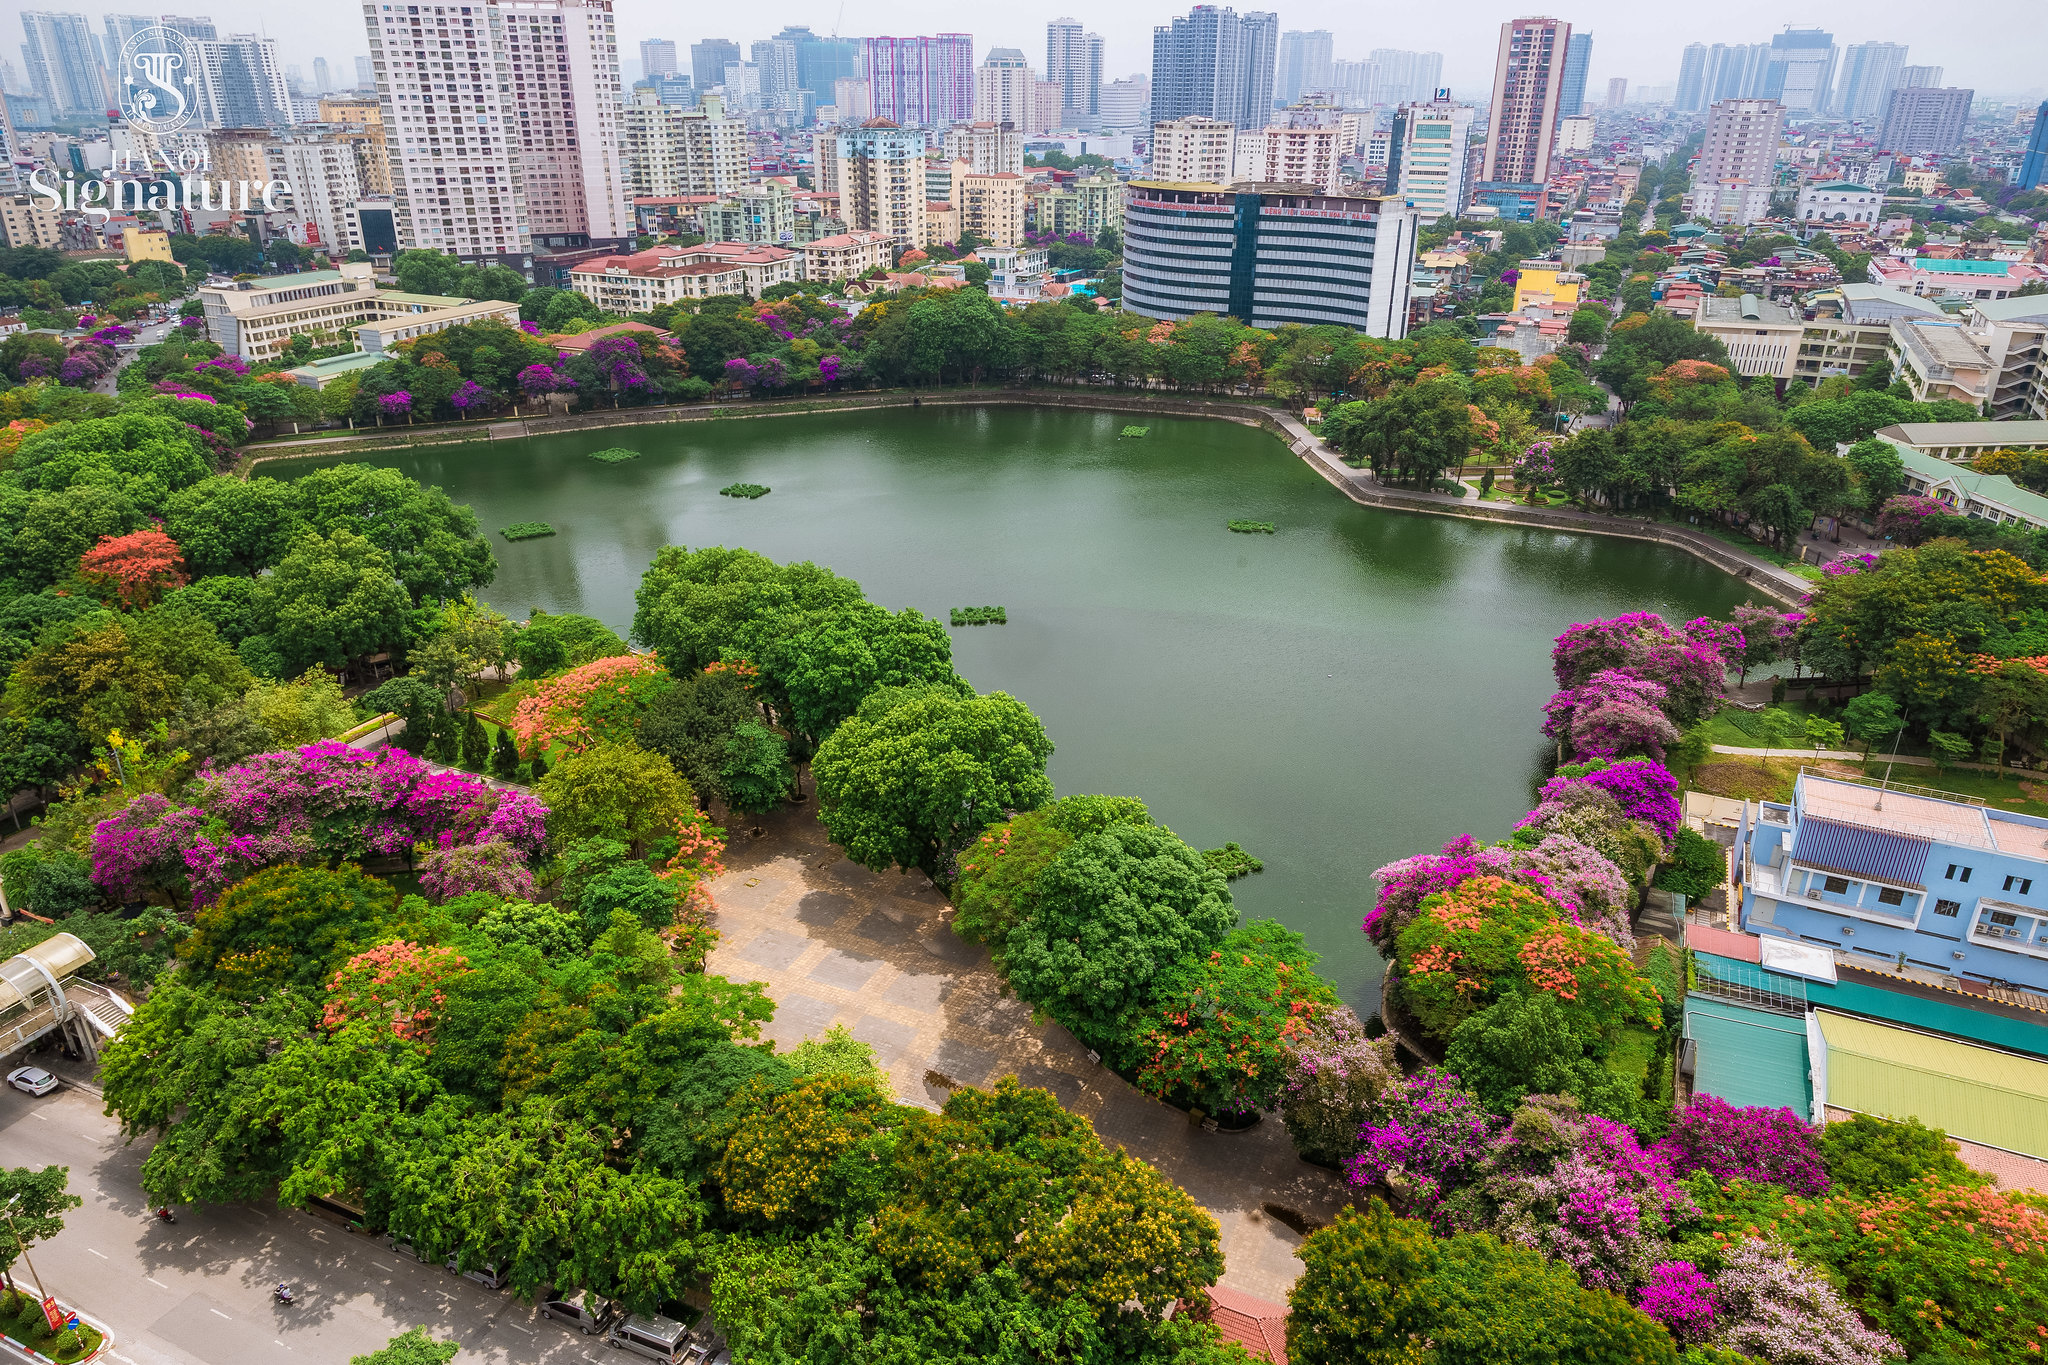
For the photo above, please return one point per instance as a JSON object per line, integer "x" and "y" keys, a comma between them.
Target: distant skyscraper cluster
{"x": 1217, "y": 63}
{"x": 1804, "y": 71}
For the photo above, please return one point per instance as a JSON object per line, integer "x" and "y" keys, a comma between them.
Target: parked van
{"x": 585, "y": 1312}
{"x": 404, "y": 1248}
{"x": 657, "y": 1338}
{"x": 488, "y": 1274}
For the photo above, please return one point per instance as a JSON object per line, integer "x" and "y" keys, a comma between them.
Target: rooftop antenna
{"x": 1886, "y": 785}
{"x": 837, "y": 17}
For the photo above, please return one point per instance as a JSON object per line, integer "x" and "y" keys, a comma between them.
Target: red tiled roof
{"x": 1722, "y": 943}
{"x": 1258, "y": 1326}
{"x": 583, "y": 341}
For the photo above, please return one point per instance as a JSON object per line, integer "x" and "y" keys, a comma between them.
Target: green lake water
{"x": 1359, "y": 686}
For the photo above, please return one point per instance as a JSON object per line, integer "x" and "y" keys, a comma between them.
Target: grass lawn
{"x": 1771, "y": 780}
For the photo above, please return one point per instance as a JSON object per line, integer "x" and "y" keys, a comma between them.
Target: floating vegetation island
{"x": 980, "y": 616}
{"x": 1134, "y": 431}
{"x": 527, "y": 530}
{"x": 616, "y": 455}
{"x": 1253, "y": 527}
{"x": 744, "y": 490}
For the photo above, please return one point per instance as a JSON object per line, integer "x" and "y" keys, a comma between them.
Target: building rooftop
{"x": 1939, "y": 265}
{"x": 1894, "y": 811}
{"x": 2031, "y": 309}
{"x": 336, "y": 364}
{"x": 1875, "y": 303}
{"x": 1983, "y": 487}
{"x": 2017, "y": 435}
{"x": 1748, "y": 308}
{"x": 1984, "y": 1095}
{"x": 583, "y": 341}
{"x": 1943, "y": 342}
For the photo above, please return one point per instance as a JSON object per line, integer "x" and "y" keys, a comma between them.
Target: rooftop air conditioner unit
{"x": 1813, "y": 895}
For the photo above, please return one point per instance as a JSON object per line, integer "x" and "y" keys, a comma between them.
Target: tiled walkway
{"x": 837, "y": 944}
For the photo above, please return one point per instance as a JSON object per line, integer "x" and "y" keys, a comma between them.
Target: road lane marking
{"x": 527, "y": 1330}
{"x": 34, "y": 1115}
{"x": 158, "y": 1283}
{"x": 101, "y": 1254}
{"x": 217, "y": 1313}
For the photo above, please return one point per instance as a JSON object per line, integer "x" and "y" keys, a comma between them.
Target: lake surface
{"x": 1360, "y": 686}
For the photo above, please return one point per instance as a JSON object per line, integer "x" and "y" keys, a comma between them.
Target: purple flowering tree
{"x": 1611, "y": 713}
{"x": 469, "y": 396}
{"x": 1770, "y": 1305}
{"x": 192, "y": 324}
{"x": 324, "y": 800}
{"x": 1766, "y": 635}
{"x": 34, "y": 367}
{"x": 1681, "y": 1298}
{"x": 1764, "y": 1146}
{"x": 77, "y": 372}
{"x": 142, "y": 848}
{"x": 1587, "y": 887}
{"x": 1426, "y": 1147}
{"x": 1907, "y": 517}
{"x": 458, "y": 869}
{"x": 1846, "y": 564}
{"x": 1645, "y": 790}
{"x": 395, "y": 405}
{"x": 1336, "y": 1080}
{"x": 1689, "y": 662}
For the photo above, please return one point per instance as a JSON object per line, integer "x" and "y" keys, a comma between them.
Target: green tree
{"x": 284, "y": 925}
{"x": 413, "y": 1347}
{"x": 1374, "y": 1287}
{"x": 330, "y": 600}
{"x": 1588, "y": 326}
{"x": 1949, "y": 748}
{"x": 1118, "y": 912}
{"x": 106, "y": 671}
{"x": 1880, "y": 472}
{"x": 434, "y": 546}
{"x": 1776, "y": 728}
{"x": 549, "y": 643}
{"x": 1523, "y": 1045}
{"x": 1868, "y": 1156}
{"x": 616, "y": 791}
{"x": 916, "y": 773}
{"x": 34, "y": 1203}
{"x": 229, "y": 525}
{"x": 1873, "y": 718}
{"x": 757, "y": 776}
{"x": 829, "y": 669}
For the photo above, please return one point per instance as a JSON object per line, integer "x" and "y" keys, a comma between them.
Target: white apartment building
{"x": 1005, "y": 90}
{"x": 1575, "y": 133}
{"x": 670, "y": 150}
{"x": 847, "y": 255}
{"x": 326, "y": 183}
{"x": 444, "y": 79}
{"x": 881, "y": 180}
{"x": 987, "y": 148}
{"x": 502, "y": 122}
{"x": 256, "y": 319}
{"x": 1294, "y": 155}
{"x": 564, "y": 63}
{"x": 1196, "y": 150}
{"x": 1733, "y": 176}
{"x": 1426, "y": 156}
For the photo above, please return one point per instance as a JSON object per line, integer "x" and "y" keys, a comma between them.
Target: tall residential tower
{"x": 1528, "y": 82}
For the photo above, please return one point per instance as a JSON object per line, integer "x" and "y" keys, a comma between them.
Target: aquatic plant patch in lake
{"x": 1232, "y": 861}
{"x": 1134, "y": 431}
{"x": 527, "y": 530}
{"x": 1252, "y": 528}
{"x": 744, "y": 490}
{"x": 980, "y": 616}
{"x": 616, "y": 455}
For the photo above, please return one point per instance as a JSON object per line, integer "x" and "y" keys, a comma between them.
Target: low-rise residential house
{"x": 1015, "y": 276}
{"x": 846, "y": 256}
{"x": 1901, "y": 876}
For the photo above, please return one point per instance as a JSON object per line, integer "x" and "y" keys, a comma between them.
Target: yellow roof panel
{"x": 1976, "y": 1093}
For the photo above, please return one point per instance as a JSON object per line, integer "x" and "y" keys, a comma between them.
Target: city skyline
{"x": 1647, "y": 56}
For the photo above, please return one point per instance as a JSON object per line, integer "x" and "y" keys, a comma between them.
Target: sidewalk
{"x": 1853, "y": 756}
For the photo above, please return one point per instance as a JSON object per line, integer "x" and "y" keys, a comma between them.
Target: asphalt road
{"x": 199, "y": 1292}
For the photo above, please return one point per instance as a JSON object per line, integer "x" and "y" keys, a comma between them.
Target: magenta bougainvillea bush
{"x": 1608, "y": 670}
{"x": 1763, "y": 1146}
{"x": 1645, "y": 790}
{"x": 1585, "y": 885}
{"x": 1610, "y": 713}
{"x": 1425, "y": 1147}
{"x": 328, "y": 801}
{"x": 1681, "y": 1298}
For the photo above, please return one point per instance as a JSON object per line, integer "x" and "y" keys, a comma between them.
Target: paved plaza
{"x": 837, "y": 944}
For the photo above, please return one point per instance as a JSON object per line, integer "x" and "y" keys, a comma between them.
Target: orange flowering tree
{"x": 603, "y": 699}
{"x": 1469, "y": 946}
{"x": 700, "y": 848}
{"x": 398, "y": 985}
{"x": 1949, "y": 1271}
{"x": 1230, "y": 1023}
{"x": 137, "y": 568}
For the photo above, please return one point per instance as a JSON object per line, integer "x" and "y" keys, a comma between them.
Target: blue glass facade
{"x": 2034, "y": 165}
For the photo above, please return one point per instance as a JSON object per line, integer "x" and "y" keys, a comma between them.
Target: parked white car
{"x": 33, "y": 1080}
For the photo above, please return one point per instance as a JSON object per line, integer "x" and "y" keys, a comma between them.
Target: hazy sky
{"x": 1999, "y": 47}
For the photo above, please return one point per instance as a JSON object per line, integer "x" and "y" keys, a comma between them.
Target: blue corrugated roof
{"x": 1838, "y": 847}
{"x": 1749, "y": 1056}
{"x": 1948, "y": 267}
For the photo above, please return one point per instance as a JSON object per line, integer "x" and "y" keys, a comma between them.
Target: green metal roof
{"x": 1749, "y": 1056}
{"x": 1941, "y": 265}
{"x": 1985, "y": 487}
{"x": 1975, "y": 1093}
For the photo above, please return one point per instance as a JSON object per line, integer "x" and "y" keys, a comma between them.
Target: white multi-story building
{"x": 1004, "y": 89}
{"x": 1295, "y": 154}
{"x": 1193, "y": 150}
{"x": 987, "y": 148}
{"x": 325, "y": 187}
{"x": 564, "y": 63}
{"x": 1426, "y": 156}
{"x": 881, "y": 180}
{"x": 1839, "y": 201}
{"x": 670, "y": 150}
{"x": 503, "y": 124}
{"x": 241, "y": 83}
{"x": 1733, "y": 176}
{"x": 847, "y": 255}
{"x": 1575, "y": 133}
{"x": 444, "y": 79}
{"x": 1126, "y": 104}
{"x": 1073, "y": 61}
